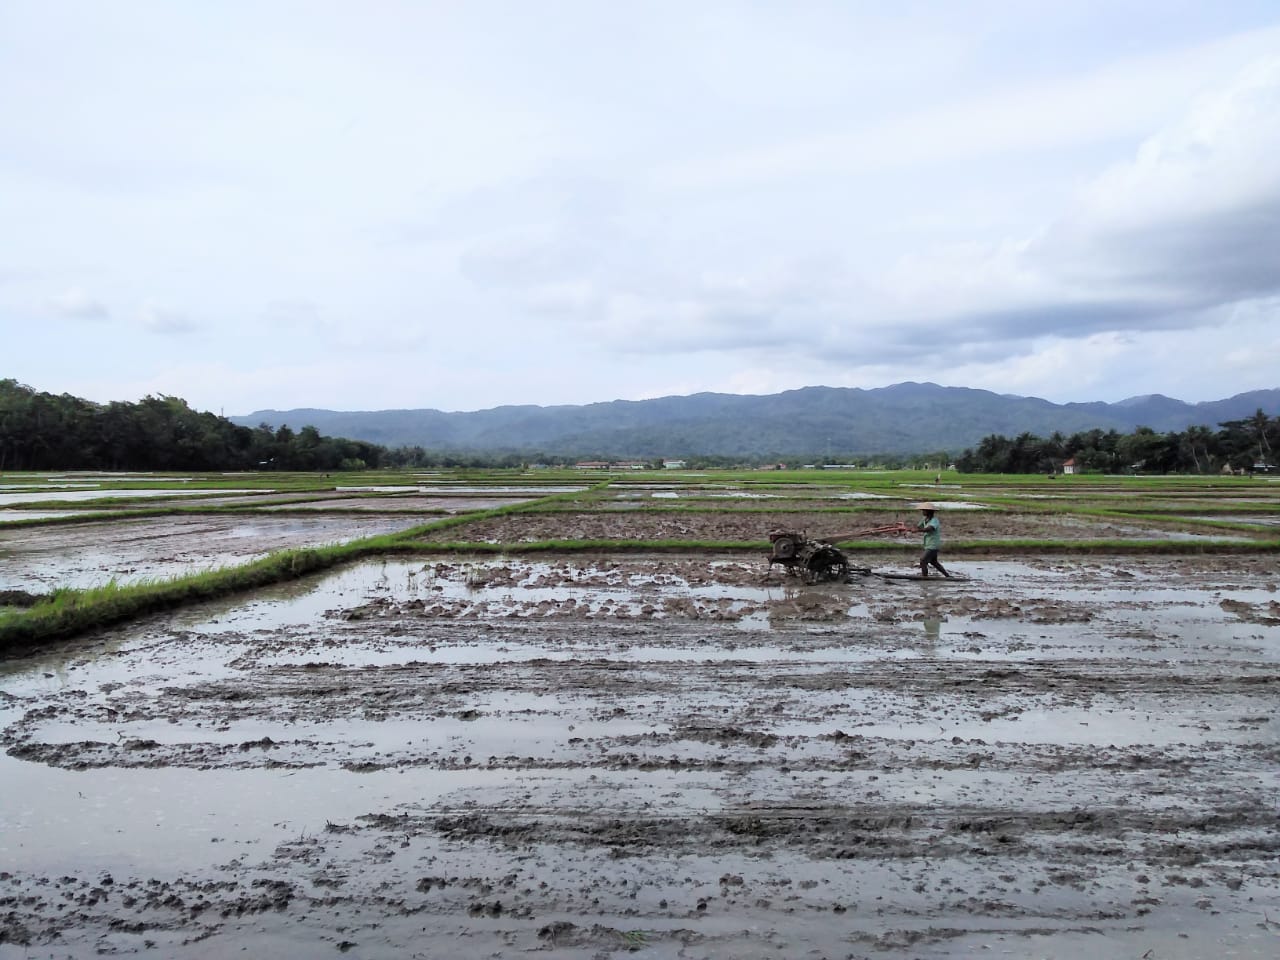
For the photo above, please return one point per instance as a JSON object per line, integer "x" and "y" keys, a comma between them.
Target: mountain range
{"x": 810, "y": 422}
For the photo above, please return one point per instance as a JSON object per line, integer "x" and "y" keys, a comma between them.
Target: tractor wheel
{"x": 838, "y": 572}
{"x": 826, "y": 566}
{"x": 784, "y": 548}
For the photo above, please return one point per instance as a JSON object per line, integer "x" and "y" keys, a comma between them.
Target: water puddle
{"x": 142, "y": 820}
{"x": 1102, "y": 724}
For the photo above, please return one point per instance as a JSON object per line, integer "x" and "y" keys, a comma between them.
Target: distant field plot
{"x": 198, "y": 523}
{"x": 736, "y": 526}
{"x": 735, "y": 491}
{"x": 38, "y": 559}
{"x": 742, "y": 505}
{"x": 12, "y": 498}
{"x": 430, "y": 504}
{"x": 109, "y": 502}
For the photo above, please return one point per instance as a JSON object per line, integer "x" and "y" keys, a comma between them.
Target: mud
{"x": 659, "y": 756}
{"x": 746, "y": 526}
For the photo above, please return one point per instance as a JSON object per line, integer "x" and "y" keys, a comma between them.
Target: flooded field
{"x": 70, "y": 496}
{"x": 38, "y": 559}
{"x": 675, "y": 755}
{"x": 662, "y": 756}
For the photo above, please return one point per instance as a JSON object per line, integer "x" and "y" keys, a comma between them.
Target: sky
{"x": 461, "y": 205}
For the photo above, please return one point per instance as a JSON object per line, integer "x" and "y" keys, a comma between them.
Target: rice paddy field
{"x": 552, "y": 713}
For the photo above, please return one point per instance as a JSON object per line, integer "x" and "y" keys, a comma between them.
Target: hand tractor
{"x": 820, "y": 561}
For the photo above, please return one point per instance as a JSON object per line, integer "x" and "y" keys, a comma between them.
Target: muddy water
{"x": 658, "y": 756}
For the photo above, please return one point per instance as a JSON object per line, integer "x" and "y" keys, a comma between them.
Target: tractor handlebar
{"x": 898, "y": 527}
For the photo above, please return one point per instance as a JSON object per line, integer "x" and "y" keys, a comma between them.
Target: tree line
{"x": 44, "y": 431}
{"x": 1241, "y": 446}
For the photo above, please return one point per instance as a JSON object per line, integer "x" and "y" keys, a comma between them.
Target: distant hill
{"x": 810, "y": 422}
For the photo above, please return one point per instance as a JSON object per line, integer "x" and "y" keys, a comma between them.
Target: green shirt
{"x": 932, "y": 533}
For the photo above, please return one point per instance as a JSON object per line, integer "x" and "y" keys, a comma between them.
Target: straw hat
{"x": 927, "y": 506}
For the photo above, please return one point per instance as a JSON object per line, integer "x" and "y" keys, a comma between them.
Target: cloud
{"x": 1193, "y": 220}
{"x": 1013, "y": 119}
{"x": 164, "y": 320}
{"x": 828, "y": 194}
{"x": 1189, "y": 223}
{"x": 294, "y": 315}
{"x": 75, "y": 304}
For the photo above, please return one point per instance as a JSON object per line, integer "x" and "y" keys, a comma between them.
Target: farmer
{"x": 932, "y": 531}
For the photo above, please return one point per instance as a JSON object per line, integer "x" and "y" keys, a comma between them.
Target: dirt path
{"x": 659, "y": 757}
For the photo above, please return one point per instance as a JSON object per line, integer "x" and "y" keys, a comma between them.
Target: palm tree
{"x": 1197, "y": 438}
{"x": 1261, "y": 423}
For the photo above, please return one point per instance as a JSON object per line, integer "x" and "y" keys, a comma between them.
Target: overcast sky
{"x": 466, "y": 204}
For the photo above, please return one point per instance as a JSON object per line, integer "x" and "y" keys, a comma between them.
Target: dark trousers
{"x": 930, "y": 559}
